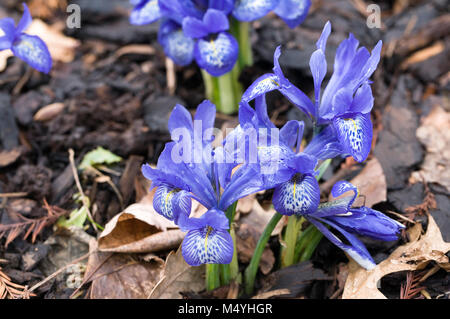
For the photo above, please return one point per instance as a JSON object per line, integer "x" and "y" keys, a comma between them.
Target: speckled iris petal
{"x": 207, "y": 246}
{"x": 265, "y": 83}
{"x": 355, "y": 135}
{"x": 343, "y": 187}
{"x": 293, "y": 12}
{"x": 249, "y": 10}
{"x": 299, "y": 196}
{"x": 207, "y": 240}
{"x": 170, "y": 203}
{"x": 33, "y": 51}
{"x": 145, "y": 13}
{"x": 217, "y": 56}
{"x": 176, "y": 44}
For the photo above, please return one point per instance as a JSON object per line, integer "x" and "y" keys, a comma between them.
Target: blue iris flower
{"x": 29, "y": 48}
{"x": 198, "y": 29}
{"x": 188, "y": 168}
{"x": 350, "y": 221}
{"x": 290, "y": 172}
{"x": 342, "y": 110}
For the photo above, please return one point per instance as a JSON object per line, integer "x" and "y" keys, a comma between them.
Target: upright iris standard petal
{"x": 25, "y": 21}
{"x": 177, "y": 10}
{"x": 293, "y": 12}
{"x": 8, "y": 28}
{"x": 363, "y": 100}
{"x": 217, "y": 56}
{"x": 298, "y": 196}
{"x": 145, "y": 12}
{"x": 325, "y": 145}
{"x": 171, "y": 203}
{"x": 207, "y": 241}
{"x": 249, "y": 10}
{"x": 34, "y": 51}
{"x": 355, "y": 135}
{"x": 214, "y": 21}
{"x": 177, "y": 46}
{"x": 355, "y": 249}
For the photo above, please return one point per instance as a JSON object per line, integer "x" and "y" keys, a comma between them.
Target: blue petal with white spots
{"x": 176, "y": 44}
{"x": 145, "y": 13}
{"x": 217, "y": 56}
{"x": 170, "y": 203}
{"x": 355, "y": 135}
{"x": 207, "y": 246}
{"x": 249, "y": 10}
{"x": 34, "y": 51}
{"x": 343, "y": 187}
{"x": 265, "y": 83}
{"x": 299, "y": 196}
{"x": 207, "y": 240}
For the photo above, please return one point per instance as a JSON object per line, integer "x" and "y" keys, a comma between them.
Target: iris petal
{"x": 299, "y": 196}
{"x": 355, "y": 135}
{"x": 145, "y": 13}
{"x": 249, "y": 10}
{"x": 355, "y": 250}
{"x": 176, "y": 44}
{"x": 293, "y": 12}
{"x": 170, "y": 203}
{"x": 34, "y": 51}
{"x": 217, "y": 56}
{"x": 369, "y": 222}
{"x": 207, "y": 246}
{"x": 265, "y": 83}
{"x": 25, "y": 21}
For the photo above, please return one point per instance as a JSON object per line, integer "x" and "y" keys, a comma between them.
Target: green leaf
{"x": 97, "y": 157}
{"x": 77, "y": 218}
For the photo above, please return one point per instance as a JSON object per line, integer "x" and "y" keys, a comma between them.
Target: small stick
{"x": 9, "y": 195}
{"x": 56, "y": 273}
{"x": 77, "y": 182}
{"x": 171, "y": 77}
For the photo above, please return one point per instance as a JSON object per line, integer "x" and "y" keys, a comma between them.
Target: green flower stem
{"x": 212, "y": 276}
{"x": 290, "y": 238}
{"x": 230, "y": 271}
{"x": 311, "y": 245}
{"x": 241, "y": 31}
{"x": 305, "y": 243}
{"x": 252, "y": 268}
{"x": 234, "y": 266}
{"x": 224, "y": 91}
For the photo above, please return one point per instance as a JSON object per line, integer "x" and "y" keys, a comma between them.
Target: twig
{"x": 11, "y": 195}
{"x": 80, "y": 189}
{"x": 56, "y": 273}
{"x": 171, "y": 77}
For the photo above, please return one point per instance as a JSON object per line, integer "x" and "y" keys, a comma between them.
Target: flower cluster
{"x": 199, "y": 29}
{"x": 27, "y": 47}
{"x": 257, "y": 155}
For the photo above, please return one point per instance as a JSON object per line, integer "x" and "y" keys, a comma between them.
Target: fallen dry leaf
{"x": 434, "y": 134}
{"x": 121, "y": 276}
{"x": 178, "y": 277}
{"x": 259, "y": 218}
{"x": 415, "y": 255}
{"x": 140, "y": 229}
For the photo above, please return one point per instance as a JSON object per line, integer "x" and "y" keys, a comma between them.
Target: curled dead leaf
{"x": 415, "y": 255}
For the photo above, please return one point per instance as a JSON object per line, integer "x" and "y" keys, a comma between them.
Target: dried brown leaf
{"x": 415, "y": 255}
{"x": 140, "y": 229}
{"x": 9, "y": 157}
{"x": 434, "y": 134}
{"x": 178, "y": 277}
